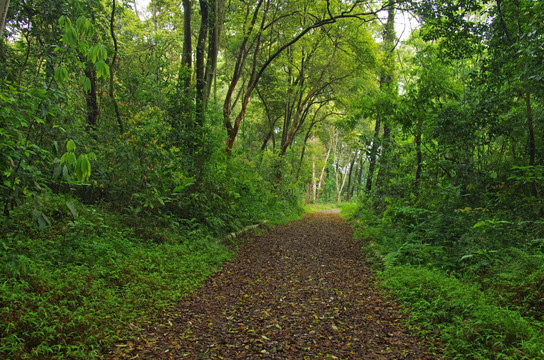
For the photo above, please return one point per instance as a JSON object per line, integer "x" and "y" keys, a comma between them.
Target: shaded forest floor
{"x": 302, "y": 291}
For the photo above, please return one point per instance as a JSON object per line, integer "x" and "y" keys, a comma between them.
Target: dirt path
{"x": 300, "y": 292}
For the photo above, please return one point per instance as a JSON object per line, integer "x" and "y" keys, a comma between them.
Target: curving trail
{"x": 300, "y": 292}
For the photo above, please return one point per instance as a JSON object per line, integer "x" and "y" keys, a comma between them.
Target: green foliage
{"x": 69, "y": 165}
{"x": 473, "y": 273}
{"x": 471, "y": 323}
{"x": 79, "y": 39}
{"x": 78, "y": 286}
{"x": 24, "y": 161}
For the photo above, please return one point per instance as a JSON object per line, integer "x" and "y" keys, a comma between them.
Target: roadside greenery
{"x": 478, "y": 289}
{"x": 83, "y": 284}
{"x": 91, "y": 276}
{"x": 453, "y": 214}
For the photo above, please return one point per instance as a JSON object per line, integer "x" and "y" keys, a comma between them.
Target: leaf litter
{"x": 302, "y": 291}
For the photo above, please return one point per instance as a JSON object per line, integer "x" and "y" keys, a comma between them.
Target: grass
{"x": 94, "y": 277}
{"x": 73, "y": 289}
{"x": 347, "y": 208}
{"x": 473, "y": 321}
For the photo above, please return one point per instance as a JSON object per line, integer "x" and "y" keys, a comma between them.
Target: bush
{"x": 74, "y": 287}
{"x": 471, "y": 323}
{"x": 471, "y": 273}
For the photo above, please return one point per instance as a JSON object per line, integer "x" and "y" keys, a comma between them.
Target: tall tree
{"x": 4, "y": 5}
{"x": 112, "y": 66}
{"x": 388, "y": 88}
{"x": 252, "y": 41}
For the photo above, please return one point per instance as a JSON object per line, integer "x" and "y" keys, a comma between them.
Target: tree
{"x": 251, "y": 44}
{"x": 4, "y": 5}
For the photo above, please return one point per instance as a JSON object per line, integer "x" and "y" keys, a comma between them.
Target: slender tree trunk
{"x": 386, "y": 82}
{"x": 271, "y": 123}
{"x": 530, "y": 127}
{"x": 348, "y": 190}
{"x": 287, "y": 113}
{"x": 200, "y": 65}
{"x": 322, "y": 175}
{"x": 373, "y": 156}
{"x": 134, "y": 3}
{"x": 360, "y": 177}
{"x": 419, "y": 156}
{"x": 381, "y": 177}
{"x": 339, "y": 186}
{"x": 340, "y": 177}
{"x": 217, "y": 9}
{"x": 4, "y": 5}
{"x": 27, "y": 56}
{"x": 306, "y": 137}
{"x": 112, "y": 68}
{"x": 314, "y": 181}
{"x": 232, "y": 128}
{"x": 532, "y": 155}
{"x": 184, "y": 78}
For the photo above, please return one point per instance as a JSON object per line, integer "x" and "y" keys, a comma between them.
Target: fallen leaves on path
{"x": 300, "y": 292}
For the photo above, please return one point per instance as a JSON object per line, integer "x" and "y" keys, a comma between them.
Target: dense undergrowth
{"x": 79, "y": 285}
{"x": 88, "y": 257}
{"x": 473, "y": 277}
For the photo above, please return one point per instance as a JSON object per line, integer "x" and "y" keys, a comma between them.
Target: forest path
{"x": 300, "y": 292}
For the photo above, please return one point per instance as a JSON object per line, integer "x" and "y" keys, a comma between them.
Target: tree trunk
{"x": 530, "y": 127}
{"x": 373, "y": 156}
{"x": 532, "y": 155}
{"x": 308, "y": 193}
{"x": 383, "y": 170}
{"x": 4, "y": 5}
{"x": 184, "y": 77}
{"x": 287, "y": 112}
{"x": 419, "y": 156}
{"x": 386, "y": 82}
{"x": 112, "y": 68}
{"x": 306, "y": 137}
{"x": 322, "y": 175}
{"x": 200, "y": 65}
{"x": 217, "y": 8}
{"x": 271, "y": 122}
{"x": 314, "y": 182}
{"x": 348, "y": 190}
{"x": 360, "y": 177}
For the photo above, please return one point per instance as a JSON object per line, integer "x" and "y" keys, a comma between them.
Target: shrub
{"x": 471, "y": 323}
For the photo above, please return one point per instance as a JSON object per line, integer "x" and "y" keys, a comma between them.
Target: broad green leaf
{"x": 87, "y": 85}
{"x": 39, "y": 93}
{"x": 80, "y": 24}
{"x": 103, "y": 53}
{"x": 70, "y": 36}
{"x": 83, "y": 168}
{"x": 479, "y": 223}
{"x": 60, "y": 74}
{"x": 70, "y": 145}
{"x": 66, "y": 173}
{"x": 71, "y": 159}
{"x": 72, "y": 209}
{"x": 102, "y": 69}
{"x": 57, "y": 171}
